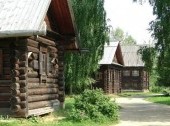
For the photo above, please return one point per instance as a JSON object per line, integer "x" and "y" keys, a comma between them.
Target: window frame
{"x": 126, "y": 73}
{"x": 135, "y": 73}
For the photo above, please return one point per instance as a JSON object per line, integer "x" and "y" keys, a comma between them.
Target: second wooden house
{"x": 34, "y": 34}
{"x": 134, "y": 75}
{"x": 108, "y": 77}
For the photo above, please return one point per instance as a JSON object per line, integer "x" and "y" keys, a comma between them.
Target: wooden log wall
{"x": 23, "y": 88}
{"x": 43, "y": 92}
{"x": 61, "y": 75}
{"x": 5, "y": 79}
{"x": 19, "y": 63}
{"x": 105, "y": 80}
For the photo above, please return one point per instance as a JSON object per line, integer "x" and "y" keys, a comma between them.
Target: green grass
{"x": 159, "y": 99}
{"x": 134, "y": 94}
{"x": 57, "y": 118}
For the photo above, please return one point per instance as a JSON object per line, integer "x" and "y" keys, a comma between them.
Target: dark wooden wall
{"x": 5, "y": 77}
{"x": 109, "y": 79}
{"x": 131, "y": 82}
{"x": 31, "y": 76}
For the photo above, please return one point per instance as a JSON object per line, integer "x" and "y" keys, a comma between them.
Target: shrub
{"x": 156, "y": 89}
{"x": 94, "y": 105}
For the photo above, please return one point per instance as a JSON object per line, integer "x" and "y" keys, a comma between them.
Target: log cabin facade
{"x": 108, "y": 76}
{"x": 33, "y": 38}
{"x": 134, "y": 75}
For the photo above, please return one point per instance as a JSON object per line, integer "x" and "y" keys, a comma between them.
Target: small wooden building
{"x": 34, "y": 34}
{"x": 108, "y": 77}
{"x": 134, "y": 76}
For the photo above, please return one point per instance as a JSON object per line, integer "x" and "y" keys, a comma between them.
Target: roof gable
{"x": 112, "y": 51}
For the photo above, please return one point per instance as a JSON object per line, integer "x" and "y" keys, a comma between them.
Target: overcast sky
{"x": 130, "y": 17}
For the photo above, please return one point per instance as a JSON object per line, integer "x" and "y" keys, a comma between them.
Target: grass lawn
{"x": 57, "y": 118}
{"x": 132, "y": 94}
{"x": 159, "y": 99}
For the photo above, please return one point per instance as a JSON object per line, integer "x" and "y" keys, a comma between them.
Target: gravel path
{"x": 138, "y": 112}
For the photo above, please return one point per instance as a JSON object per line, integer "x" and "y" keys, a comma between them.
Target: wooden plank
{"x": 52, "y": 49}
{"x": 33, "y": 80}
{"x": 36, "y": 98}
{"x": 5, "y": 90}
{"x": 5, "y": 83}
{"x": 41, "y": 111}
{"x": 33, "y": 74}
{"x": 51, "y": 80}
{"x": 41, "y": 104}
{"x": 32, "y": 49}
{"x": 46, "y": 41}
{"x": 42, "y": 85}
{"x": 5, "y": 97}
{"x": 4, "y": 104}
{"x": 43, "y": 91}
{"x": 33, "y": 43}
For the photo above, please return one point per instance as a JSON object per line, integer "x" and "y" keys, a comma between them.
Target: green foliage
{"x": 118, "y": 35}
{"x": 91, "y": 22}
{"x": 148, "y": 57}
{"x": 161, "y": 32}
{"x": 156, "y": 89}
{"x": 161, "y": 28}
{"x": 93, "y": 105}
{"x": 34, "y": 119}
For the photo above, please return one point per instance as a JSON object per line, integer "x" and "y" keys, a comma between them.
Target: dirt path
{"x": 138, "y": 112}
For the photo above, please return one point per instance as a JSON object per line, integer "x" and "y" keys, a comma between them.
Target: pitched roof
{"x": 131, "y": 57}
{"x": 23, "y": 17}
{"x": 111, "y": 51}
{"x": 28, "y": 17}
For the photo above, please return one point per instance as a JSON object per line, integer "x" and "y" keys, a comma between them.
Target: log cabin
{"x": 134, "y": 75}
{"x": 34, "y": 34}
{"x": 108, "y": 76}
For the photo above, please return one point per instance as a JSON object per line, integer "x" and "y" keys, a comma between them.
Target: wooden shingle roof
{"x": 23, "y": 17}
{"x": 131, "y": 57}
{"x": 28, "y": 17}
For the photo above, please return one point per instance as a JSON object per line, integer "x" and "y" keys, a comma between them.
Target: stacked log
{"x": 19, "y": 60}
{"x": 5, "y": 75}
{"x": 42, "y": 88}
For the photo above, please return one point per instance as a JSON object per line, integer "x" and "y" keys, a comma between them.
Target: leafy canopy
{"x": 119, "y": 35}
{"x": 91, "y": 22}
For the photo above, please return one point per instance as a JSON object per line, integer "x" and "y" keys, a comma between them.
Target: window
{"x": 135, "y": 73}
{"x": 126, "y": 73}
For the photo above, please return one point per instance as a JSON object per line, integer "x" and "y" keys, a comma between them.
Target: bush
{"x": 156, "y": 89}
{"x": 94, "y": 105}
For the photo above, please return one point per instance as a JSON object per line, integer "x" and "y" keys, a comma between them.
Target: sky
{"x": 132, "y": 18}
